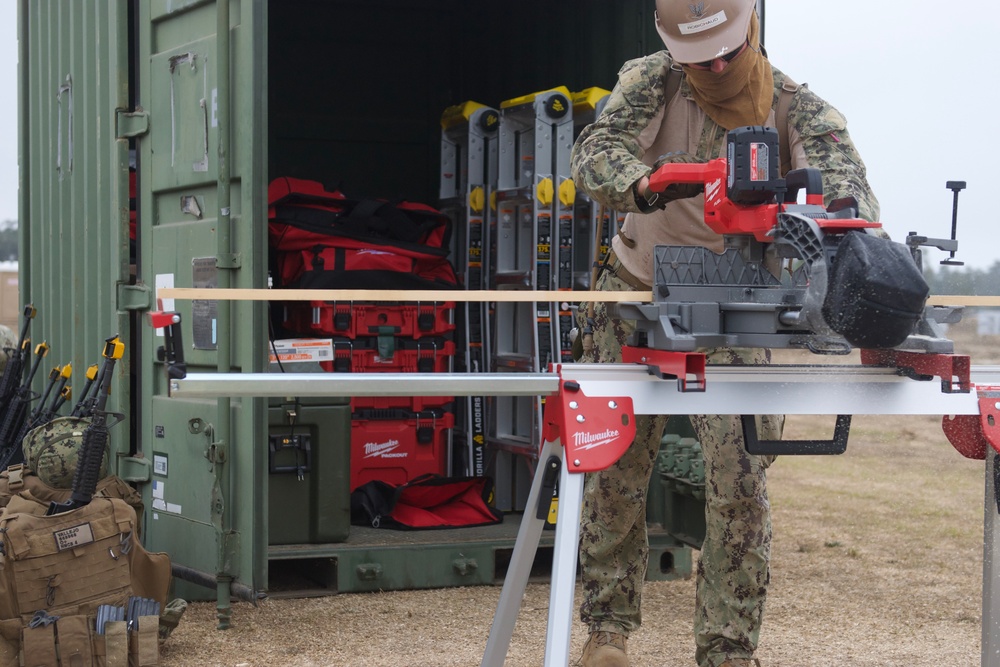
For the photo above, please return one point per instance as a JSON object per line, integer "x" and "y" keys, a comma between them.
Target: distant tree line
{"x": 963, "y": 280}
{"x": 8, "y": 240}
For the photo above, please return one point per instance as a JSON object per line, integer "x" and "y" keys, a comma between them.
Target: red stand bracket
{"x": 971, "y": 435}
{"x": 953, "y": 369}
{"x": 595, "y": 431}
{"x": 687, "y": 367}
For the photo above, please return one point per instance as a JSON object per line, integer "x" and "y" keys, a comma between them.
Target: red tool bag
{"x": 325, "y": 241}
{"x": 428, "y": 501}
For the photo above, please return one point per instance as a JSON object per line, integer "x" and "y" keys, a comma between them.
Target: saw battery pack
{"x": 753, "y": 171}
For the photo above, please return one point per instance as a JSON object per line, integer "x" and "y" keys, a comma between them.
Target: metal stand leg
{"x": 991, "y": 564}
{"x": 564, "y": 568}
{"x": 582, "y": 434}
{"x": 519, "y": 570}
{"x": 560, "y": 621}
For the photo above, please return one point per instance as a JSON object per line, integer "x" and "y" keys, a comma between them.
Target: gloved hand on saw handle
{"x": 649, "y": 201}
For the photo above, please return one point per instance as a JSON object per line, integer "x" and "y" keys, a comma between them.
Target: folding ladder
{"x": 587, "y": 248}
{"x": 533, "y": 251}
{"x": 468, "y": 179}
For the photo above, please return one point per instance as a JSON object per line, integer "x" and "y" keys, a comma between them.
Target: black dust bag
{"x": 876, "y": 293}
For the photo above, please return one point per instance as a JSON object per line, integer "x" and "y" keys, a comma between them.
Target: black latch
{"x": 342, "y": 320}
{"x": 300, "y": 446}
{"x": 425, "y": 321}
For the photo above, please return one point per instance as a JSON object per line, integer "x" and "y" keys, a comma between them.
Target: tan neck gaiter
{"x": 742, "y": 93}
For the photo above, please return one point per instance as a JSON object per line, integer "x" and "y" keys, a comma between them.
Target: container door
{"x": 202, "y": 224}
{"x": 74, "y": 202}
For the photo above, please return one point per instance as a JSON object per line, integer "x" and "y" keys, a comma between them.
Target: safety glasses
{"x": 707, "y": 64}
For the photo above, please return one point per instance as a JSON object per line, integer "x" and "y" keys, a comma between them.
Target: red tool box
{"x": 387, "y": 354}
{"x": 350, "y": 319}
{"x": 397, "y": 445}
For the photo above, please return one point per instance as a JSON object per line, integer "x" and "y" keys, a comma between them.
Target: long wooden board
{"x": 466, "y": 295}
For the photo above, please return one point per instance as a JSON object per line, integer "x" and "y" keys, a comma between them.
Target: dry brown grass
{"x": 877, "y": 561}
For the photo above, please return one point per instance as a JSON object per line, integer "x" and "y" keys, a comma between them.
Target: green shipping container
{"x": 208, "y": 102}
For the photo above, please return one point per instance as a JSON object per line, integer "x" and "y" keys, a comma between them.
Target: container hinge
{"x": 132, "y": 123}
{"x": 229, "y": 260}
{"x": 134, "y": 469}
{"x": 134, "y": 297}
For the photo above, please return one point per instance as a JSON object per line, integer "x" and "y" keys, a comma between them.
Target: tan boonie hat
{"x": 696, "y": 31}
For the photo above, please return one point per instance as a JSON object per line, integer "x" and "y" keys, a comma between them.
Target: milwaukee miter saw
{"x": 843, "y": 284}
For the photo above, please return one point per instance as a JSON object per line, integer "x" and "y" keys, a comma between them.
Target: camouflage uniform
{"x": 8, "y": 343}
{"x": 733, "y": 569}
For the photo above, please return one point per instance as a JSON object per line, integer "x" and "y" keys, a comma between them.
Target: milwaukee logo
{"x": 712, "y": 189}
{"x": 591, "y": 440}
{"x": 383, "y": 450}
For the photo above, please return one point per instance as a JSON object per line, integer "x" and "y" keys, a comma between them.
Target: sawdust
{"x": 877, "y": 561}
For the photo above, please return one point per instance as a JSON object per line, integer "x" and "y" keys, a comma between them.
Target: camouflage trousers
{"x": 733, "y": 568}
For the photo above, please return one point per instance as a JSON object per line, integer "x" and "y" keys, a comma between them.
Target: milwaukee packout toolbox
{"x": 410, "y": 403}
{"x": 396, "y": 445}
{"x": 389, "y": 354}
{"x": 351, "y": 319}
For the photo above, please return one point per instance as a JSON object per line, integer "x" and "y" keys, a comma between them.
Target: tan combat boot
{"x": 604, "y": 649}
{"x": 741, "y": 662}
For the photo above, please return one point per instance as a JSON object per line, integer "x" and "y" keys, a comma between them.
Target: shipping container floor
{"x": 375, "y": 559}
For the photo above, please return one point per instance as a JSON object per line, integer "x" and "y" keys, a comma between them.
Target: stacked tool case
{"x": 395, "y": 439}
{"x": 324, "y": 240}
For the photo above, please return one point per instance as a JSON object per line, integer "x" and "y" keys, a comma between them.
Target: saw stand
{"x": 579, "y": 435}
{"x": 589, "y": 423}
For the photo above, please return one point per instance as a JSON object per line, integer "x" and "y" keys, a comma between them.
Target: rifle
{"x": 64, "y": 395}
{"x": 81, "y": 403}
{"x": 42, "y": 413}
{"x": 31, "y": 419}
{"x": 88, "y": 402}
{"x": 95, "y": 436}
{"x": 15, "y": 363}
{"x": 17, "y": 412}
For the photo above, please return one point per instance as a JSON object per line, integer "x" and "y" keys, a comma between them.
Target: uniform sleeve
{"x": 606, "y": 158}
{"x": 828, "y": 147}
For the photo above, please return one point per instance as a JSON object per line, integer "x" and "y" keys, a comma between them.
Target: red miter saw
{"x": 848, "y": 285}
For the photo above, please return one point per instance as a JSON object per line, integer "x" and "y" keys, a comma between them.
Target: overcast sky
{"x": 917, "y": 81}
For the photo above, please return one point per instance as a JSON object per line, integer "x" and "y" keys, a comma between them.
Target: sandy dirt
{"x": 877, "y": 561}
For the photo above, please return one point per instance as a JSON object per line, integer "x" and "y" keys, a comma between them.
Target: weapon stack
{"x": 22, "y": 410}
{"x": 95, "y": 437}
